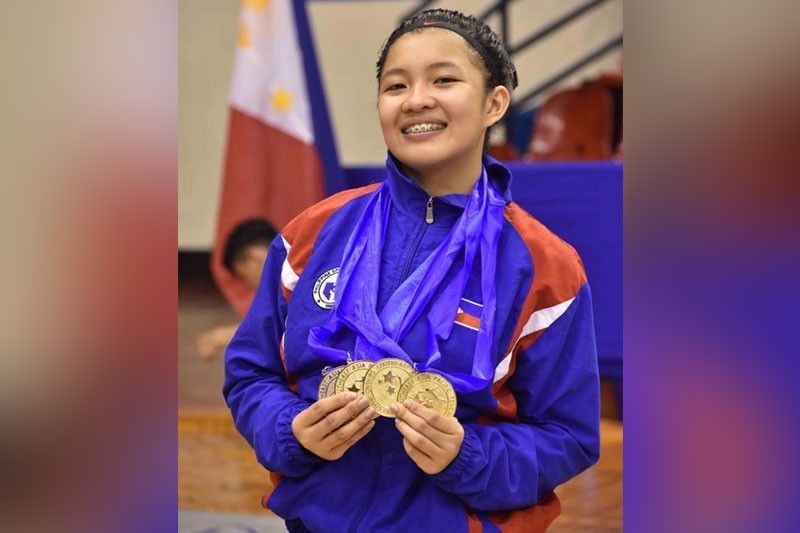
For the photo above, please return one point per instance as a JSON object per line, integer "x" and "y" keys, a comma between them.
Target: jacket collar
{"x": 411, "y": 199}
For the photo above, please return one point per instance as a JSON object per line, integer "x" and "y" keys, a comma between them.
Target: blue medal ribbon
{"x": 378, "y": 336}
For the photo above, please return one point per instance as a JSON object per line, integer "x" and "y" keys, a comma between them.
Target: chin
{"x": 420, "y": 166}
{"x": 419, "y": 160}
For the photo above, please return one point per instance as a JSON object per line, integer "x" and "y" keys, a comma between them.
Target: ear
{"x": 497, "y": 102}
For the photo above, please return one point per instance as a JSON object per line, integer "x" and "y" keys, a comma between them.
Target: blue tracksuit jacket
{"x": 536, "y": 427}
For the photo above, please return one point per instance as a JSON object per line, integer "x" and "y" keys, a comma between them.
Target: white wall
{"x": 348, "y": 36}
{"x": 206, "y": 44}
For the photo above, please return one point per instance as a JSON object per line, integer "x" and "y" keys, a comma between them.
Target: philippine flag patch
{"x": 469, "y": 313}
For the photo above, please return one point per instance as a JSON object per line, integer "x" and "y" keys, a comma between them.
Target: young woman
{"x": 452, "y": 292}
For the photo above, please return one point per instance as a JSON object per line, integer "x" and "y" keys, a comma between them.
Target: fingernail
{"x": 408, "y": 404}
{"x": 350, "y": 396}
{"x": 395, "y": 407}
{"x": 370, "y": 411}
{"x": 362, "y": 402}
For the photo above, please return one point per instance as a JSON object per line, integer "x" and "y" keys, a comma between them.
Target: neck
{"x": 448, "y": 179}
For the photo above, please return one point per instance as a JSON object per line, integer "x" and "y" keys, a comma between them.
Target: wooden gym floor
{"x": 218, "y": 476}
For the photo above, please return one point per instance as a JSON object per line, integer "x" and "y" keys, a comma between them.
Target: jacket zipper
{"x": 376, "y": 466}
{"x": 429, "y": 221}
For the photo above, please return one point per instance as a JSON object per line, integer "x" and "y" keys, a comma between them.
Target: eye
{"x": 445, "y": 80}
{"x": 394, "y": 87}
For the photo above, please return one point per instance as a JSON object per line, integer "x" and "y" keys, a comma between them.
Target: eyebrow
{"x": 432, "y": 66}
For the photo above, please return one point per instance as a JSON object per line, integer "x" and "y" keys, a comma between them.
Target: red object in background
{"x": 273, "y": 169}
{"x": 579, "y": 124}
{"x": 504, "y": 152}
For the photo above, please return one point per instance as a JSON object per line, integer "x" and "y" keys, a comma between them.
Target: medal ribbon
{"x": 477, "y": 229}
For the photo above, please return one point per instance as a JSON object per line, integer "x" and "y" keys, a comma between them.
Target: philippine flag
{"x": 280, "y": 151}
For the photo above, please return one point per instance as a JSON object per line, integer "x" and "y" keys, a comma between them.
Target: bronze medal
{"x": 351, "y": 378}
{"x": 431, "y": 390}
{"x": 328, "y": 383}
{"x": 383, "y": 381}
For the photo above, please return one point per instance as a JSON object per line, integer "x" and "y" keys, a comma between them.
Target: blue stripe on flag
{"x": 471, "y": 307}
{"x": 323, "y": 134}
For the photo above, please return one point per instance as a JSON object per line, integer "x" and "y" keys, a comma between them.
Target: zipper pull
{"x": 429, "y": 211}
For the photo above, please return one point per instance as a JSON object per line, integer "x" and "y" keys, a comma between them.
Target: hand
{"x": 329, "y": 427}
{"x": 430, "y": 439}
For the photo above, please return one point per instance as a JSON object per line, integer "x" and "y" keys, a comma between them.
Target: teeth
{"x": 422, "y": 128}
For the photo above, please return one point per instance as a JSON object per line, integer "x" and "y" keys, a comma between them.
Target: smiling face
{"x": 434, "y": 107}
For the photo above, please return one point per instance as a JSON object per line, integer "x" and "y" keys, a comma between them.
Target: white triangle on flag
{"x": 269, "y": 82}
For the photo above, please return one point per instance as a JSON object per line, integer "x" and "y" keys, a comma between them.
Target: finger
{"x": 445, "y": 424}
{"x": 355, "y": 437}
{"x": 417, "y": 439}
{"x": 320, "y": 409}
{"x": 422, "y": 460}
{"x": 345, "y": 431}
{"x": 341, "y": 416}
{"x": 419, "y": 424}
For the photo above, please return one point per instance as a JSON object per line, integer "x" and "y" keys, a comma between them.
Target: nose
{"x": 418, "y": 99}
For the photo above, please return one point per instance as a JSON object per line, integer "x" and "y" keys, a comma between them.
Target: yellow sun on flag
{"x": 281, "y": 100}
{"x": 244, "y": 36}
{"x": 256, "y": 4}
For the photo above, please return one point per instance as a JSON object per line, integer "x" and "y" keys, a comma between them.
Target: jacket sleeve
{"x": 256, "y": 387}
{"x": 509, "y": 465}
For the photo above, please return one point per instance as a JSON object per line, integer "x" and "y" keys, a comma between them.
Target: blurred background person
{"x": 244, "y": 254}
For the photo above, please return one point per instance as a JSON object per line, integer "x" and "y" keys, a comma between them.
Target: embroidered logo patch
{"x": 325, "y": 288}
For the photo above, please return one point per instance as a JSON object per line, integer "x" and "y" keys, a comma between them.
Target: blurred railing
{"x": 500, "y": 8}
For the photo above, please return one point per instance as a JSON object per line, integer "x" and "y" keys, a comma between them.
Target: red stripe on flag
{"x": 465, "y": 319}
{"x": 268, "y": 174}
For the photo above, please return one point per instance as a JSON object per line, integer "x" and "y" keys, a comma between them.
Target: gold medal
{"x": 383, "y": 381}
{"x": 431, "y": 390}
{"x": 351, "y": 378}
{"x": 328, "y": 383}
